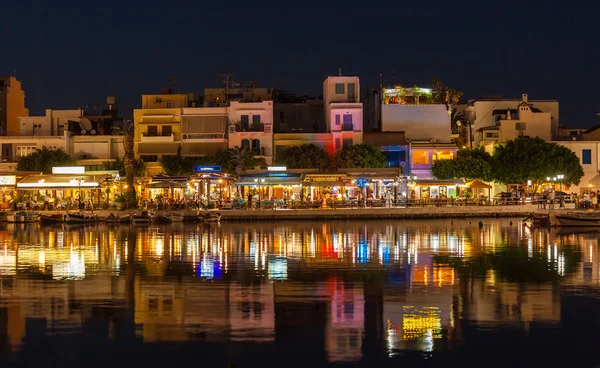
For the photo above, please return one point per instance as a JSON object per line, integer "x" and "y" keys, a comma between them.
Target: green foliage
{"x": 234, "y": 160}
{"x": 468, "y": 165}
{"x": 534, "y": 159}
{"x": 306, "y": 156}
{"x": 42, "y": 160}
{"x": 119, "y": 165}
{"x": 360, "y": 156}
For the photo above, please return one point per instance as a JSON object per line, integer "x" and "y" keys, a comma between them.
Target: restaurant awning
{"x": 202, "y": 149}
{"x": 273, "y": 179}
{"x": 324, "y": 183}
{"x": 438, "y": 182}
{"x": 478, "y": 184}
{"x": 165, "y": 184}
{"x": 158, "y": 148}
{"x": 62, "y": 181}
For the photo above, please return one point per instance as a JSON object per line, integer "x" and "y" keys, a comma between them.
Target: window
{"x": 491, "y": 135}
{"x": 337, "y": 120}
{"x": 170, "y": 104}
{"x": 347, "y": 126}
{"x": 347, "y": 143}
{"x": 586, "y": 156}
{"x": 166, "y": 131}
{"x": 256, "y": 119}
{"x": 351, "y": 92}
{"x": 256, "y": 146}
{"x": 245, "y": 120}
{"x": 338, "y": 143}
{"x": 246, "y": 144}
{"x": 339, "y": 88}
{"x": 520, "y": 126}
{"x": 152, "y": 131}
{"x": 25, "y": 150}
{"x": 420, "y": 157}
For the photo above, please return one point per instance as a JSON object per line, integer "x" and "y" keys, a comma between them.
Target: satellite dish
{"x": 458, "y": 123}
{"x": 92, "y": 132}
{"x": 85, "y": 124}
{"x": 83, "y": 132}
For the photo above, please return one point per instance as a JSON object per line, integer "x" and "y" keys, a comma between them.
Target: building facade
{"x": 12, "y": 105}
{"x": 54, "y": 123}
{"x": 343, "y": 110}
{"x": 251, "y": 127}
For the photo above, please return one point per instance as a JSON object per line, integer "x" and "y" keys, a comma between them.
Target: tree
{"x": 129, "y": 164}
{"x": 243, "y": 159}
{"x": 306, "y": 156}
{"x": 42, "y": 160}
{"x": 468, "y": 165}
{"x": 360, "y": 156}
{"x": 119, "y": 165}
{"x": 176, "y": 165}
{"x": 534, "y": 159}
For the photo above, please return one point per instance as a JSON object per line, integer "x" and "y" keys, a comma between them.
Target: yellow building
{"x": 158, "y": 126}
{"x": 12, "y": 105}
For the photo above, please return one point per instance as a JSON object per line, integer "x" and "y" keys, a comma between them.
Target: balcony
{"x": 158, "y": 138}
{"x": 241, "y": 127}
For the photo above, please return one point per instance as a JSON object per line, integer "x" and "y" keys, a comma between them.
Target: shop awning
{"x": 202, "y": 149}
{"x": 317, "y": 183}
{"x": 165, "y": 184}
{"x": 158, "y": 148}
{"x": 269, "y": 180}
{"x": 478, "y": 184}
{"x": 438, "y": 182}
{"x": 595, "y": 181}
{"x": 62, "y": 181}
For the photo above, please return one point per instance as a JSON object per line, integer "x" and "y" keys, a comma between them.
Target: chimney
{"x": 110, "y": 101}
{"x": 524, "y": 97}
{"x": 340, "y": 72}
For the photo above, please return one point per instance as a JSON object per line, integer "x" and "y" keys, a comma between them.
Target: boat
{"x": 79, "y": 218}
{"x": 22, "y": 217}
{"x": 539, "y": 219}
{"x": 117, "y": 219}
{"x": 209, "y": 216}
{"x": 51, "y": 219}
{"x": 578, "y": 219}
{"x": 176, "y": 217}
{"x": 143, "y": 218}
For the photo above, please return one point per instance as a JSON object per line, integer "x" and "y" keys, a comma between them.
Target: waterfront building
{"x": 204, "y": 130}
{"x": 12, "y": 105}
{"x": 343, "y": 110}
{"x": 297, "y": 114}
{"x": 251, "y": 127}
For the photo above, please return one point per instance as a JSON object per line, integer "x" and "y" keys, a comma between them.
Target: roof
{"x": 489, "y": 127}
{"x": 478, "y": 184}
{"x": 158, "y": 148}
{"x": 269, "y": 179}
{"x": 439, "y": 182}
{"x": 166, "y": 184}
{"x": 61, "y": 181}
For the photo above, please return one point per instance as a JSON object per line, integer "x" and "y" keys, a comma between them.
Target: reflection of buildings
{"x": 252, "y": 312}
{"x": 345, "y": 324}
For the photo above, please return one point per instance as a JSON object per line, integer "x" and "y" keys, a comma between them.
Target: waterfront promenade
{"x": 323, "y": 214}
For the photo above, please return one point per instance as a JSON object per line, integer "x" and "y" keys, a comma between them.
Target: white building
{"x": 483, "y": 109}
{"x": 522, "y": 120}
{"x": 251, "y": 126}
{"x": 587, "y": 152}
{"x": 343, "y": 110}
{"x": 54, "y": 123}
{"x": 404, "y": 110}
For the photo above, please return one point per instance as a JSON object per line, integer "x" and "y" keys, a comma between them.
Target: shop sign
{"x": 277, "y": 168}
{"x": 207, "y": 169}
{"x": 73, "y": 170}
{"x": 8, "y": 180}
{"x": 362, "y": 182}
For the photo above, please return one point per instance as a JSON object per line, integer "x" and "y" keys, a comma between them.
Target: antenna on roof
{"x": 226, "y": 82}
{"x": 340, "y": 72}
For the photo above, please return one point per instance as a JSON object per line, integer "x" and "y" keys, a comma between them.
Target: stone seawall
{"x": 378, "y": 213}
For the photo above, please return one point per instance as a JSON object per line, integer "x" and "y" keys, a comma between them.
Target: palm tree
{"x": 129, "y": 163}
{"x": 243, "y": 159}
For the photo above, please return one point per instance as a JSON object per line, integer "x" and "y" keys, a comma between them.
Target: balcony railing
{"x": 241, "y": 127}
{"x": 153, "y": 137}
{"x": 347, "y": 127}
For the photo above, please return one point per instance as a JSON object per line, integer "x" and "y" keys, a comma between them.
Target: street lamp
{"x": 78, "y": 182}
{"x": 560, "y": 177}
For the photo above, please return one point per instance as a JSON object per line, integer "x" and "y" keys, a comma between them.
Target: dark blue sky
{"x": 72, "y": 53}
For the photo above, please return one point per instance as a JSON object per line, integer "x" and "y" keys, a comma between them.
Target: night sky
{"x": 70, "y": 54}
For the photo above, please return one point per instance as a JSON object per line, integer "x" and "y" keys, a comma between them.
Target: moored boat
{"x": 22, "y": 217}
{"x": 209, "y": 216}
{"x": 176, "y": 217}
{"x": 578, "y": 219}
{"x": 143, "y": 218}
{"x": 51, "y": 219}
{"x": 117, "y": 219}
{"x": 539, "y": 219}
{"x": 79, "y": 218}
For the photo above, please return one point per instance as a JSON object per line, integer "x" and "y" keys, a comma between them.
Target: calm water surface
{"x": 378, "y": 293}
